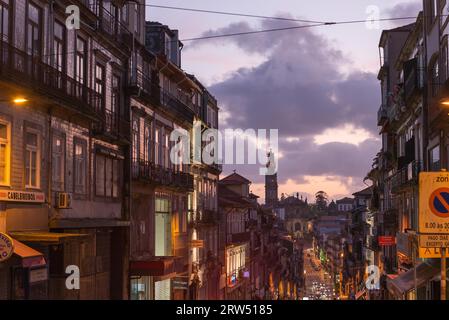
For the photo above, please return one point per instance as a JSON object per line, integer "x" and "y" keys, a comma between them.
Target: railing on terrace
{"x": 406, "y": 176}
{"x": 179, "y": 107}
{"x": 142, "y": 81}
{"x": 149, "y": 172}
{"x": 31, "y": 72}
{"x": 110, "y": 24}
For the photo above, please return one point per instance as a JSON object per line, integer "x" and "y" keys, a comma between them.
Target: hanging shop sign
{"x": 386, "y": 241}
{"x": 197, "y": 243}
{"x": 434, "y": 202}
{"x": 180, "y": 283}
{"x": 6, "y": 247}
{"x": 22, "y": 196}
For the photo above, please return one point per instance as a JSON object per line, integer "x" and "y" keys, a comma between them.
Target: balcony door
{"x": 4, "y": 29}
{"x": 163, "y": 227}
{"x": 59, "y": 40}
{"x": 34, "y": 39}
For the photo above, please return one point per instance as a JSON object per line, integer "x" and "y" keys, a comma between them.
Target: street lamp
{"x": 16, "y": 100}
{"x": 19, "y": 100}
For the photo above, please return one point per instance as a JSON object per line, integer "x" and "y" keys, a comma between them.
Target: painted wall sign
{"x": 434, "y": 202}
{"x": 22, "y": 196}
{"x": 6, "y": 247}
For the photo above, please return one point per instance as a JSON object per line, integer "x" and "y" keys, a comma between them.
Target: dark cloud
{"x": 300, "y": 89}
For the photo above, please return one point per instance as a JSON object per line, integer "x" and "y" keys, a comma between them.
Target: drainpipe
{"x": 425, "y": 111}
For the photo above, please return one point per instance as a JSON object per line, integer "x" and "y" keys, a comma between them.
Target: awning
{"x": 159, "y": 267}
{"x": 405, "y": 282}
{"x": 30, "y": 257}
{"x": 360, "y": 294}
{"x": 47, "y": 238}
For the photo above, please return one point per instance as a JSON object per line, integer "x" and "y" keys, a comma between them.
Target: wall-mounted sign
{"x": 6, "y": 247}
{"x": 386, "y": 241}
{"x": 434, "y": 240}
{"x": 38, "y": 275}
{"x": 434, "y": 202}
{"x": 22, "y": 196}
{"x": 180, "y": 283}
{"x": 429, "y": 253}
{"x": 197, "y": 243}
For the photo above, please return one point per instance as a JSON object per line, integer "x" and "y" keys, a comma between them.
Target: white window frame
{"x": 7, "y": 143}
{"x": 37, "y": 150}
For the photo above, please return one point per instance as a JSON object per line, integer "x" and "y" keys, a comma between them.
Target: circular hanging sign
{"x": 6, "y": 247}
{"x": 439, "y": 202}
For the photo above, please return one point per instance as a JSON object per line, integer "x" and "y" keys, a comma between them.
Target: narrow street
{"x": 318, "y": 282}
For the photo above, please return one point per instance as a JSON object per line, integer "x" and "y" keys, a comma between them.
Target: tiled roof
{"x": 234, "y": 178}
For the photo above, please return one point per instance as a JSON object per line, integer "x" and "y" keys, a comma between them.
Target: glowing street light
{"x": 19, "y": 100}
{"x": 16, "y": 100}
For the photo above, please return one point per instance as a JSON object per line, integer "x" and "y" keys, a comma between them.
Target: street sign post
{"x": 434, "y": 202}
{"x": 434, "y": 217}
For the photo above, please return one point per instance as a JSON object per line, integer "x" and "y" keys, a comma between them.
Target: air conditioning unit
{"x": 63, "y": 200}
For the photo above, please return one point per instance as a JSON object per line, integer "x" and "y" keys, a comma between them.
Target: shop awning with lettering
{"x": 405, "y": 282}
{"x": 360, "y": 295}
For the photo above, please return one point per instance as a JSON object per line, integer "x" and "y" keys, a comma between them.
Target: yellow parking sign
{"x": 429, "y": 253}
{"x": 434, "y": 202}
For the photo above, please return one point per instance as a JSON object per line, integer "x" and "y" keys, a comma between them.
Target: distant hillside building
{"x": 345, "y": 205}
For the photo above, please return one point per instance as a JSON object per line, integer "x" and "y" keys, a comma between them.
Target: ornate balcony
{"x": 30, "y": 73}
{"x": 142, "y": 85}
{"x": 148, "y": 172}
{"x": 110, "y": 25}
{"x": 405, "y": 177}
{"x": 175, "y": 105}
{"x": 113, "y": 126}
{"x": 204, "y": 218}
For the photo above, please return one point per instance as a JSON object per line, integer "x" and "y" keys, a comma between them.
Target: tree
{"x": 321, "y": 199}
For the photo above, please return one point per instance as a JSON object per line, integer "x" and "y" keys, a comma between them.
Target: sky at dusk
{"x": 318, "y": 86}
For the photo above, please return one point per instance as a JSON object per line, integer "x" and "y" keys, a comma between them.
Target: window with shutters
{"x": 107, "y": 176}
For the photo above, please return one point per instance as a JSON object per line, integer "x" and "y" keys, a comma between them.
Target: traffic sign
{"x": 434, "y": 241}
{"x": 434, "y": 202}
{"x": 429, "y": 253}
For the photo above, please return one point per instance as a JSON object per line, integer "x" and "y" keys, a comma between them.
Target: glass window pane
{"x": 100, "y": 175}
{"x": 109, "y": 176}
{"x": 3, "y": 131}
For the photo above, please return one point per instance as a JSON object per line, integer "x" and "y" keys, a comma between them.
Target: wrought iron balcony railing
{"x": 30, "y": 72}
{"x": 147, "y": 171}
{"x": 111, "y": 26}
{"x": 406, "y": 176}
{"x": 179, "y": 108}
